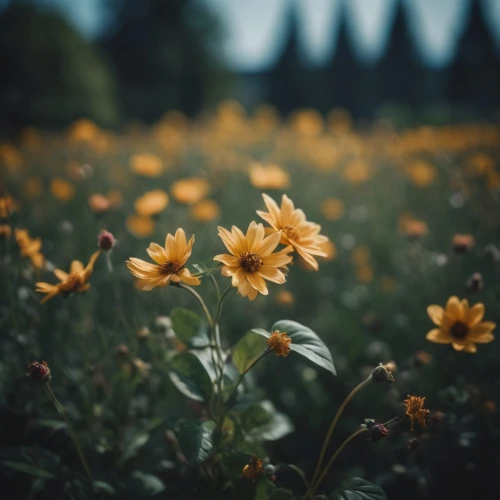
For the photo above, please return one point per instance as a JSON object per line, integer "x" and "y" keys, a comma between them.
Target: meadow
{"x": 206, "y": 385}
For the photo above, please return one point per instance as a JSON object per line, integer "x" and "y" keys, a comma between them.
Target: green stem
{"x": 62, "y": 411}
{"x": 220, "y": 302}
{"x": 199, "y": 299}
{"x": 334, "y": 424}
{"x": 335, "y": 455}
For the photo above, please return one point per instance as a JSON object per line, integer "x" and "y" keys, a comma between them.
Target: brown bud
{"x": 122, "y": 350}
{"x": 462, "y": 243}
{"x": 105, "y": 240}
{"x": 39, "y": 372}
{"x": 383, "y": 373}
{"x": 475, "y": 283}
{"x": 377, "y": 432}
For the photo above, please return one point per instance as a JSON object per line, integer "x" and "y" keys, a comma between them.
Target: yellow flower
{"x": 415, "y": 410}
{"x": 75, "y": 281}
{"x": 270, "y": 177}
{"x": 170, "y": 261}
{"x": 460, "y": 325}
{"x": 421, "y": 173}
{"x": 357, "y": 171}
{"x": 147, "y": 165}
{"x": 332, "y": 208}
{"x": 151, "y": 203}
{"x": 294, "y": 229}
{"x": 140, "y": 226}
{"x": 251, "y": 260}
{"x": 30, "y": 248}
{"x": 190, "y": 191}
{"x": 62, "y": 190}
{"x": 279, "y": 342}
{"x": 99, "y": 203}
{"x": 205, "y": 210}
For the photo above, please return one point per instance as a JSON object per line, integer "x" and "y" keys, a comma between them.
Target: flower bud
{"x": 462, "y": 243}
{"x": 105, "y": 240}
{"x": 377, "y": 432}
{"x": 413, "y": 444}
{"x": 39, "y": 372}
{"x": 383, "y": 373}
{"x": 475, "y": 283}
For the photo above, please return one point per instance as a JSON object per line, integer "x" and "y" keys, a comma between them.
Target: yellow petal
{"x": 470, "y": 347}
{"x": 481, "y": 329}
{"x": 60, "y": 275}
{"x": 157, "y": 253}
{"x": 438, "y": 336}
{"x": 454, "y": 309}
{"x": 475, "y": 314}
{"x": 257, "y": 282}
{"x": 272, "y": 274}
{"x": 186, "y": 276}
{"x": 457, "y": 346}
{"x": 436, "y": 314}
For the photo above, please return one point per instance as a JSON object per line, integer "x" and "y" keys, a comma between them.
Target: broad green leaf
{"x": 262, "y": 422}
{"x": 104, "y": 488}
{"x": 144, "y": 485}
{"x": 304, "y": 342}
{"x": 186, "y": 324}
{"x": 32, "y": 470}
{"x": 195, "y": 439}
{"x": 190, "y": 376}
{"x": 356, "y": 488}
{"x": 281, "y": 494}
{"x": 132, "y": 447}
{"x": 247, "y": 350}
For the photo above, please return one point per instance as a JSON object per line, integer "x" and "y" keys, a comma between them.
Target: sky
{"x": 255, "y": 30}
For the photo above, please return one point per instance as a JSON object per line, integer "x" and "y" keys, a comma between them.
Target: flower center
{"x": 250, "y": 262}
{"x": 169, "y": 267}
{"x": 72, "y": 283}
{"x": 459, "y": 330}
{"x": 291, "y": 233}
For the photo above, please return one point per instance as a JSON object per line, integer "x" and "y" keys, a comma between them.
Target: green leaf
{"x": 195, "y": 439}
{"x": 144, "y": 485}
{"x": 104, "y": 488}
{"x": 356, "y": 488}
{"x": 304, "y": 342}
{"x": 246, "y": 351}
{"x": 262, "y": 422}
{"x": 186, "y": 324}
{"x": 190, "y": 376}
{"x": 132, "y": 447}
{"x": 280, "y": 494}
{"x": 30, "y": 469}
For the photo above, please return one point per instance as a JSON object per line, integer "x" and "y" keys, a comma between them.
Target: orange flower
{"x": 332, "y": 208}
{"x": 205, "y": 211}
{"x": 75, "y": 281}
{"x": 148, "y": 165}
{"x": 460, "y": 325}
{"x": 294, "y": 229}
{"x": 30, "y": 248}
{"x": 421, "y": 173}
{"x": 251, "y": 260}
{"x": 190, "y": 191}
{"x": 7, "y": 206}
{"x": 279, "y": 342}
{"x": 151, "y": 203}
{"x": 270, "y": 177}
{"x": 62, "y": 190}
{"x": 285, "y": 298}
{"x": 415, "y": 410}
{"x": 170, "y": 263}
{"x": 253, "y": 469}
{"x": 357, "y": 171}
{"x": 99, "y": 203}
{"x": 140, "y": 226}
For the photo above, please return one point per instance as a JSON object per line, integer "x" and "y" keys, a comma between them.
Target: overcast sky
{"x": 255, "y": 29}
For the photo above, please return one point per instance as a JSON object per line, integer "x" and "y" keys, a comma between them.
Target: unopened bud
{"x": 475, "y": 283}
{"x": 377, "y": 432}
{"x": 413, "y": 444}
{"x": 122, "y": 350}
{"x": 269, "y": 469}
{"x": 383, "y": 373}
{"x": 39, "y": 372}
{"x": 462, "y": 243}
{"x": 105, "y": 240}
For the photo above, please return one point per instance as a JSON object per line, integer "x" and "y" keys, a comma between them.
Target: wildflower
{"x": 383, "y": 373}
{"x": 205, "y": 211}
{"x": 147, "y": 165}
{"x": 279, "y": 342}
{"x": 39, "y": 372}
{"x": 190, "y": 191}
{"x": 105, "y": 240}
{"x": 294, "y": 229}
{"x": 75, "y": 281}
{"x": 285, "y": 298}
{"x": 415, "y": 410}
{"x": 421, "y": 173}
{"x": 270, "y": 177}
{"x": 251, "y": 260}
{"x": 62, "y": 189}
{"x": 332, "y": 208}
{"x": 460, "y": 325}
{"x": 99, "y": 204}
{"x": 475, "y": 283}
{"x": 253, "y": 469}
{"x": 170, "y": 261}
{"x": 151, "y": 203}
{"x": 357, "y": 171}
{"x": 140, "y": 226}
{"x": 5, "y": 231}
{"x": 141, "y": 367}
{"x": 462, "y": 243}
{"x": 7, "y": 206}
{"x": 30, "y": 248}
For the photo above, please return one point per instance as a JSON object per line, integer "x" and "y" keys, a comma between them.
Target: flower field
{"x": 243, "y": 307}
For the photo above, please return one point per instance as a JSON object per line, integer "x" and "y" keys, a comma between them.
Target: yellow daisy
{"x": 294, "y": 229}
{"x": 170, "y": 261}
{"x": 251, "y": 260}
{"x": 460, "y": 325}
{"x": 75, "y": 281}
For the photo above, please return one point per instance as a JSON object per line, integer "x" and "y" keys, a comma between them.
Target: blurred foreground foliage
{"x": 391, "y": 202}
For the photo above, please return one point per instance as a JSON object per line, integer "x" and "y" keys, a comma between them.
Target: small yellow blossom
{"x": 30, "y": 248}
{"x": 75, "y": 281}
{"x": 279, "y": 342}
{"x": 170, "y": 263}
